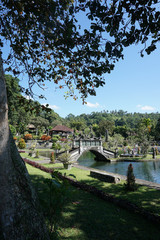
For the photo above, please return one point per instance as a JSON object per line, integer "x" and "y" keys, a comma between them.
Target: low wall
{"x": 39, "y": 144}
{"x": 111, "y": 178}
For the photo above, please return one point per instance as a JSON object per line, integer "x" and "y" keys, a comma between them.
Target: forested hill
{"x": 117, "y": 122}
{"x": 120, "y": 118}
{"x": 23, "y": 112}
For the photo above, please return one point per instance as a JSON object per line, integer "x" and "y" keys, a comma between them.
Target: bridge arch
{"x": 93, "y": 145}
{"x": 98, "y": 155}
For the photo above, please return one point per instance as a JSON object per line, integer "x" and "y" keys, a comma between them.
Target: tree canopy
{"x": 48, "y": 43}
{"x": 51, "y": 45}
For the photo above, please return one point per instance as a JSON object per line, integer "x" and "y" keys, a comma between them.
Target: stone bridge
{"x": 79, "y": 146}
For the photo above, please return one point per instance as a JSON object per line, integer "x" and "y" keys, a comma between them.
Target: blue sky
{"x": 132, "y": 86}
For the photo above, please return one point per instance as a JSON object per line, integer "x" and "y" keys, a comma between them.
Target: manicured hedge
{"x": 39, "y": 166}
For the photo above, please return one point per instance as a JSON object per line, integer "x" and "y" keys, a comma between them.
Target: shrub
{"x": 30, "y": 154}
{"x": 48, "y": 138}
{"x": 129, "y": 149}
{"x": 156, "y": 150}
{"x": 54, "y": 139}
{"x": 64, "y": 140}
{"x": 13, "y": 129}
{"x": 37, "y": 154}
{"x": 59, "y": 193}
{"x": 138, "y": 150}
{"x": 45, "y": 137}
{"x": 36, "y": 165}
{"x": 56, "y": 136}
{"x": 64, "y": 158}
{"x": 28, "y": 136}
{"x": 14, "y": 138}
{"x": 56, "y": 146}
{"x": 52, "y": 158}
{"x": 131, "y": 183}
{"x": 35, "y": 137}
{"x": 21, "y": 143}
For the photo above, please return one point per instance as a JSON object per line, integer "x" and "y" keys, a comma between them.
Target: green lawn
{"x": 148, "y": 157}
{"x": 145, "y": 197}
{"x": 25, "y": 155}
{"x": 86, "y": 217}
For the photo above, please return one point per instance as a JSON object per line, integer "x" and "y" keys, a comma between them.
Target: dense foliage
{"x": 23, "y": 111}
{"x": 130, "y": 127}
{"x": 47, "y": 43}
{"x": 119, "y": 122}
{"x": 53, "y": 45}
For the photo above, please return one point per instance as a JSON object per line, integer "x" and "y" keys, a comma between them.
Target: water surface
{"x": 149, "y": 170}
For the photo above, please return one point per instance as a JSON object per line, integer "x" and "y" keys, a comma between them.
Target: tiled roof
{"x": 61, "y": 128}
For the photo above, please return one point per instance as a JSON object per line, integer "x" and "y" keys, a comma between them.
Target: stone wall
{"x": 105, "y": 177}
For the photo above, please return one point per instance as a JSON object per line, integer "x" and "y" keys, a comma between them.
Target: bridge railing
{"x": 109, "y": 152}
{"x": 87, "y": 142}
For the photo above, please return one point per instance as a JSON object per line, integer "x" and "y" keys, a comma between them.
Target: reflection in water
{"x": 45, "y": 153}
{"x": 149, "y": 171}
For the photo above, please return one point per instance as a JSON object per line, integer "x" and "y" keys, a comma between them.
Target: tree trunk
{"x": 20, "y": 217}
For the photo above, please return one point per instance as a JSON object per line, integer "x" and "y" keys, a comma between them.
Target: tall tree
{"x": 49, "y": 45}
{"x": 13, "y": 93}
{"x": 40, "y": 123}
{"x": 18, "y": 203}
{"x": 106, "y": 125}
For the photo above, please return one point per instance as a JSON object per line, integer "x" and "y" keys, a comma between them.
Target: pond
{"x": 149, "y": 170}
{"x": 46, "y": 153}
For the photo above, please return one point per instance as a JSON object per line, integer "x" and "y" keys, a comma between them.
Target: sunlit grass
{"x": 143, "y": 158}
{"x": 25, "y": 155}
{"x": 145, "y": 197}
{"x": 86, "y": 217}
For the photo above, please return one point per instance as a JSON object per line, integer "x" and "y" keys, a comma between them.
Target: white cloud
{"x": 28, "y": 97}
{"x": 93, "y": 105}
{"x": 146, "y": 108}
{"x": 54, "y": 107}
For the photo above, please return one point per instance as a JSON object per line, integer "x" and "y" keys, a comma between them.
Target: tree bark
{"x": 20, "y": 217}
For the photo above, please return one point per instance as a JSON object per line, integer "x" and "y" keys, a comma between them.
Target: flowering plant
{"x": 28, "y": 136}
{"x": 45, "y": 138}
{"x": 21, "y": 143}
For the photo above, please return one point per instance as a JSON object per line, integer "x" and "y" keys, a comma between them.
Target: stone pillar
{"x": 101, "y": 147}
{"x": 80, "y": 146}
{"x": 73, "y": 144}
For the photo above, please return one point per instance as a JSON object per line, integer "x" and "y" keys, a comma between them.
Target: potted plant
{"x": 65, "y": 159}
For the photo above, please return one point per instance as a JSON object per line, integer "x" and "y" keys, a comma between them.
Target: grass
{"x": 148, "y": 157}
{"x": 145, "y": 197}
{"x": 25, "y": 155}
{"x": 54, "y": 165}
{"x": 86, "y": 217}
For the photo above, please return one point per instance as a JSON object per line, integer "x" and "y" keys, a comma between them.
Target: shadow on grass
{"x": 86, "y": 217}
{"x": 148, "y": 198}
